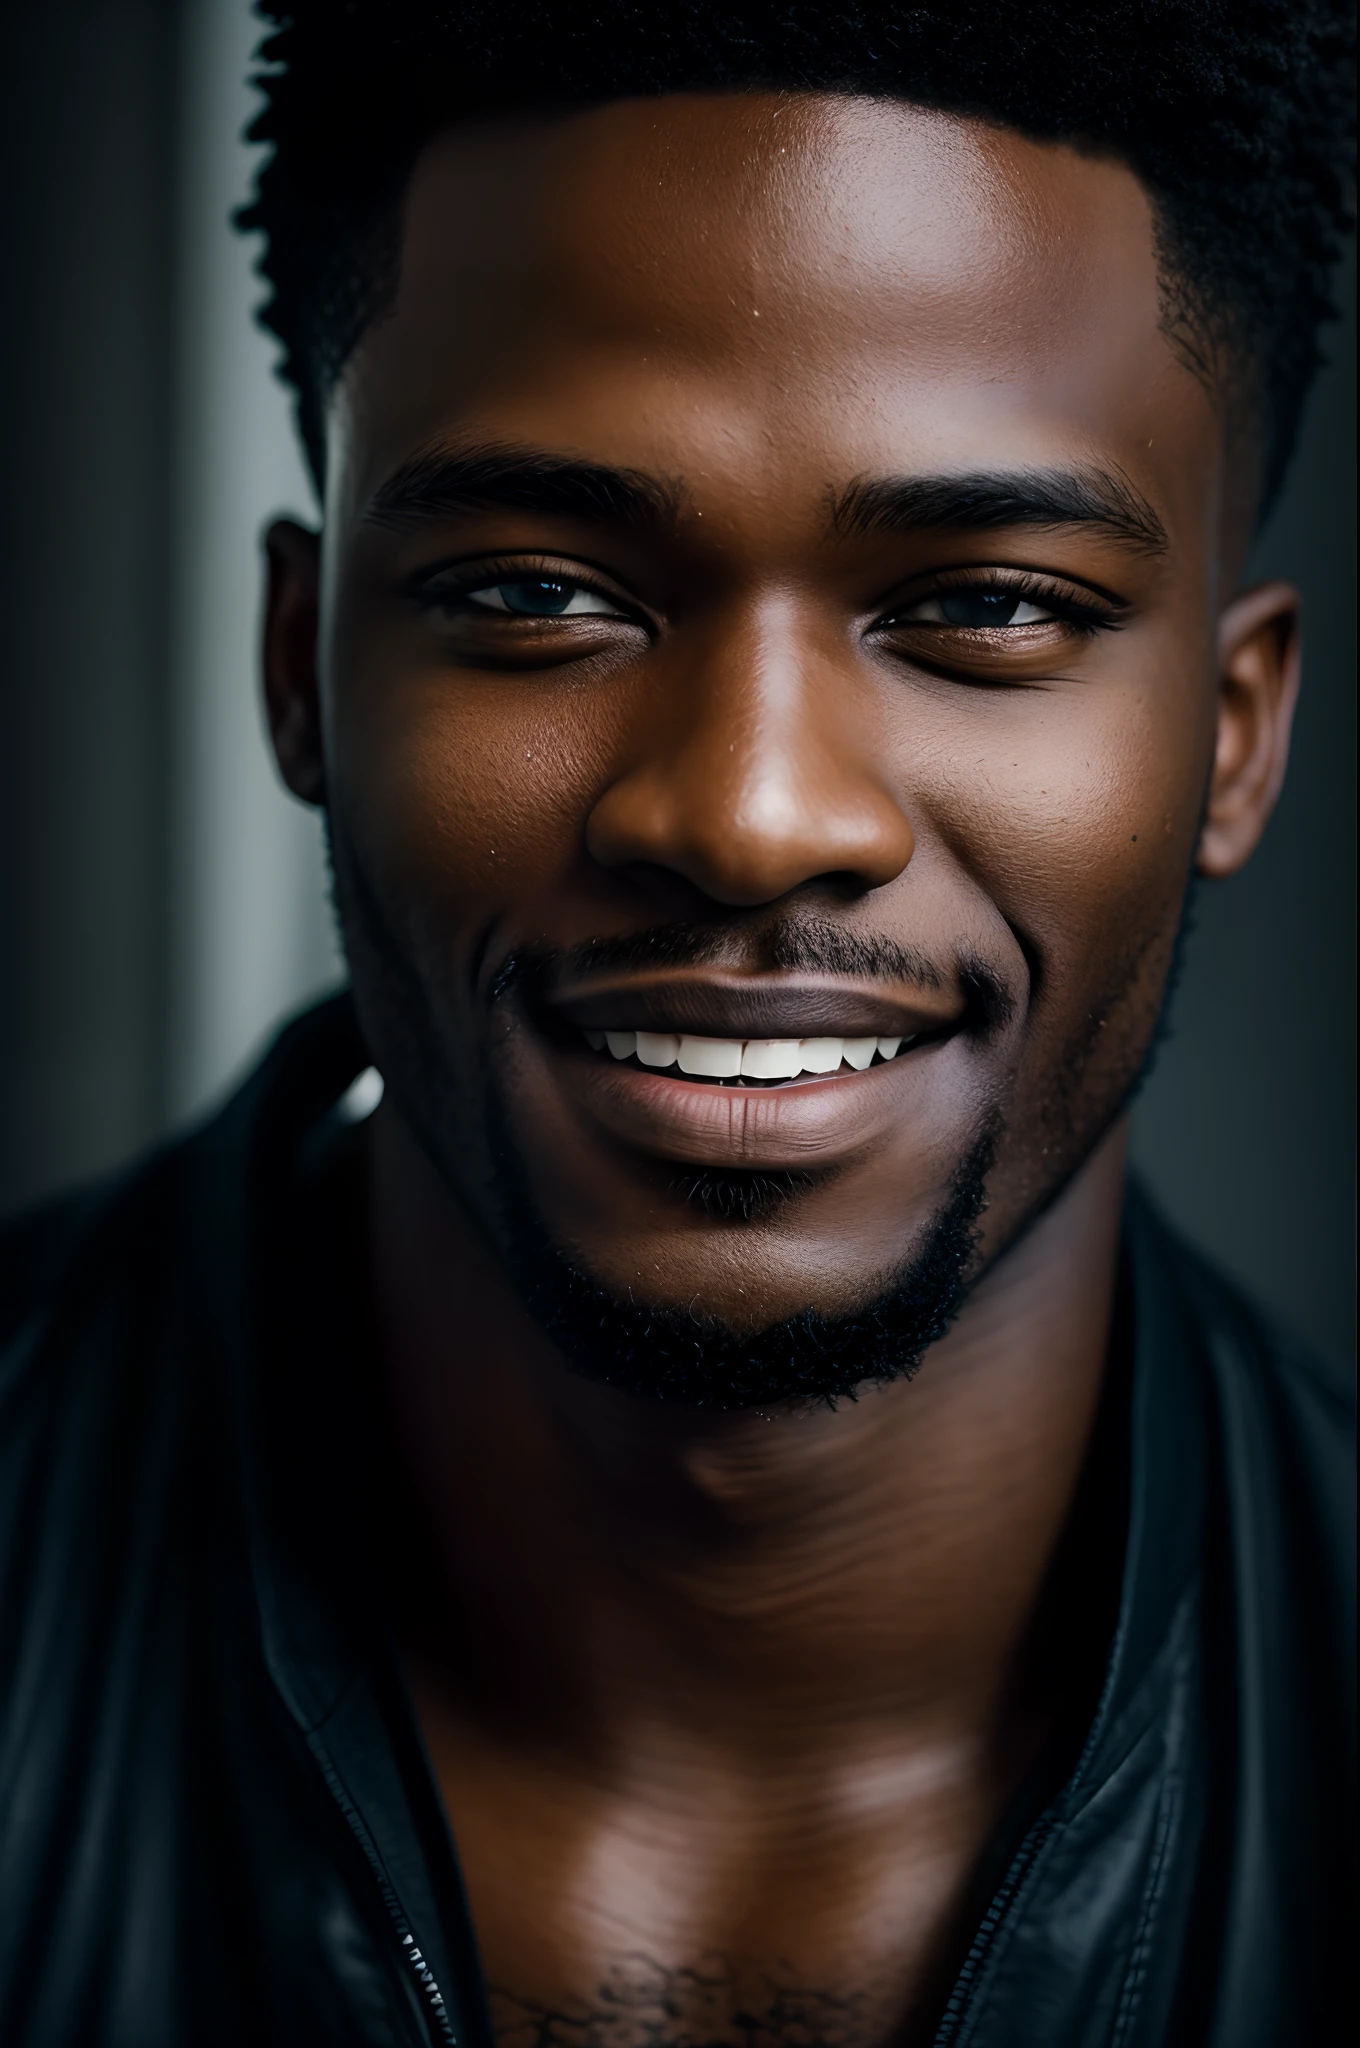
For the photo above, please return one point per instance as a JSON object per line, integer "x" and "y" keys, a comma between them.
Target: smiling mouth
{"x": 747, "y": 1062}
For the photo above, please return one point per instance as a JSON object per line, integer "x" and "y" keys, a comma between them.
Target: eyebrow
{"x": 440, "y": 481}
{"x": 1090, "y": 498}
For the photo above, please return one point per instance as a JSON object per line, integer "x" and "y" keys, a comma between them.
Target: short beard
{"x": 738, "y": 1194}
{"x": 686, "y": 1356}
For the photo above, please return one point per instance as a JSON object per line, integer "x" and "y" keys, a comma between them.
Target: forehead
{"x": 776, "y": 289}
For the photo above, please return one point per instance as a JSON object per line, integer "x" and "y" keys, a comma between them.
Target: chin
{"x": 714, "y": 1352}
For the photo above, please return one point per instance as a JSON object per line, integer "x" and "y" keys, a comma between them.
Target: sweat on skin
{"x": 777, "y": 586}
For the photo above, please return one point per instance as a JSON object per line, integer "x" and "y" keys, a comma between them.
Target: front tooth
{"x": 888, "y": 1047}
{"x": 859, "y": 1052}
{"x": 623, "y": 1044}
{"x": 822, "y": 1055}
{"x": 771, "y": 1059}
{"x": 657, "y": 1048}
{"x": 594, "y": 1039}
{"x": 715, "y": 1058}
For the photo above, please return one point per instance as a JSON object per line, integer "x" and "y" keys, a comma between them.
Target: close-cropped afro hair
{"x": 1235, "y": 114}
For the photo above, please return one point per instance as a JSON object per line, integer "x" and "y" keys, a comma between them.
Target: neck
{"x": 607, "y": 1565}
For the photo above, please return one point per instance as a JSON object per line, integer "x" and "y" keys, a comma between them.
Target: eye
{"x": 542, "y": 597}
{"x": 976, "y": 609}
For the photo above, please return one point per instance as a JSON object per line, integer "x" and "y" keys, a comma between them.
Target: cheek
{"x": 461, "y": 790}
{"x": 1077, "y": 810}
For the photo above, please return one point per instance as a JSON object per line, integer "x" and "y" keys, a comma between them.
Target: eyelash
{"x": 484, "y": 575}
{"x": 1027, "y": 587}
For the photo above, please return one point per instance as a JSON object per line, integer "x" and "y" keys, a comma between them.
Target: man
{"x": 715, "y": 1515}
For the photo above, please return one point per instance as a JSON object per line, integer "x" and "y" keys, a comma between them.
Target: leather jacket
{"x": 218, "y": 1827}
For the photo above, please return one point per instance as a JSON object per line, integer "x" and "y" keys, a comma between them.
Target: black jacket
{"x": 217, "y": 1823}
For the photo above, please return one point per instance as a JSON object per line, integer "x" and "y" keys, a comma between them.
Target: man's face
{"x": 768, "y": 596}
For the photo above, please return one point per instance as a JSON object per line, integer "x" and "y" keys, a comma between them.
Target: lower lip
{"x": 811, "y": 1121}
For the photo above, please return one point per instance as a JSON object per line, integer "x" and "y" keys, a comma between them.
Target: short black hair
{"x": 1235, "y": 115}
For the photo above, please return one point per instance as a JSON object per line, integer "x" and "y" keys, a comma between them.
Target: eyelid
{"x": 1102, "y": 609}
{"x": 481, "y": 572}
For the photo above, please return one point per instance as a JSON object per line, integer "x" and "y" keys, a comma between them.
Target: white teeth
{"x": 716, "y": 1058}
{"x": 754, "y": 1059}
{"x": 772, "y": 1059}
{"x": 657, "y": 1048}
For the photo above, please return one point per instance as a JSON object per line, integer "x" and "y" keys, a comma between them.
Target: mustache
{"x": 805, "y": 945}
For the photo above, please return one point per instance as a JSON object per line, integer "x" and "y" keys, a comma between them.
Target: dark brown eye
{"x": 541, "y": 597}
{"x": 977, "y": 609}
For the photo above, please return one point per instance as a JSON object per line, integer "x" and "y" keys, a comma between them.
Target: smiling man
{"x": 715, "y": 1515}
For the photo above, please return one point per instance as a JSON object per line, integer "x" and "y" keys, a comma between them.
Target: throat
{"x": 603, "y": 1567}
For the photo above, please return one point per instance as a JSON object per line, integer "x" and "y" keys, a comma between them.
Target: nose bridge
{"x": 751, "y": 771}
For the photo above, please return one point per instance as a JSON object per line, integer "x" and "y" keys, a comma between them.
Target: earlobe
{"x": 292, "y": 696}
{"x": 1258, "y": 666}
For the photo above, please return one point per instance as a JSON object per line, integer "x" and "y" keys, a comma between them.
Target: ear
{"x": 292, "y": 698}
{"x": 1258, "y": 671}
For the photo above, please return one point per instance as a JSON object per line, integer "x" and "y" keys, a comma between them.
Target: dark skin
{"x": 725, "y": 1705}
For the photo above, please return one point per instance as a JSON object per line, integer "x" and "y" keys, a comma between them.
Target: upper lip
{"x": 750, "y": 1006}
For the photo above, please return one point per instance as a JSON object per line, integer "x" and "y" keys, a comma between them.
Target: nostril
{"x": 736, "y": 861}
{"x": 748, "y": 824}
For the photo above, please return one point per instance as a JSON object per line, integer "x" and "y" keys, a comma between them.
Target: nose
{"x": 751, "y": 771}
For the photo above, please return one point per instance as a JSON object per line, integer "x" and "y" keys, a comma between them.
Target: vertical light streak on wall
{"x": 251, "y": 934}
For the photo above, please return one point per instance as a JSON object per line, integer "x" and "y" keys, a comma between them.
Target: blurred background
{"x": 162, "y": 902}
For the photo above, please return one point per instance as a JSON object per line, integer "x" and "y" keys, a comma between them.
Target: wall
{"x": 85, "y": 354}
{"x": 249, "y": 927}
{"x": 1247, "y": 1129}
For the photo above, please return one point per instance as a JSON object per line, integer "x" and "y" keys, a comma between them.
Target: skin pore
{"x": 777, "y": 580}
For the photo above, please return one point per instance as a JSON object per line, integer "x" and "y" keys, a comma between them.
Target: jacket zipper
{"x": 424, "y": 1974}
{"x": 411, "y": 1953}
{"x": 961, "y": 1997}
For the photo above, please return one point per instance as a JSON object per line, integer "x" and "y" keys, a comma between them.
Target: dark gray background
{"x": 1246, "y": 1130}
